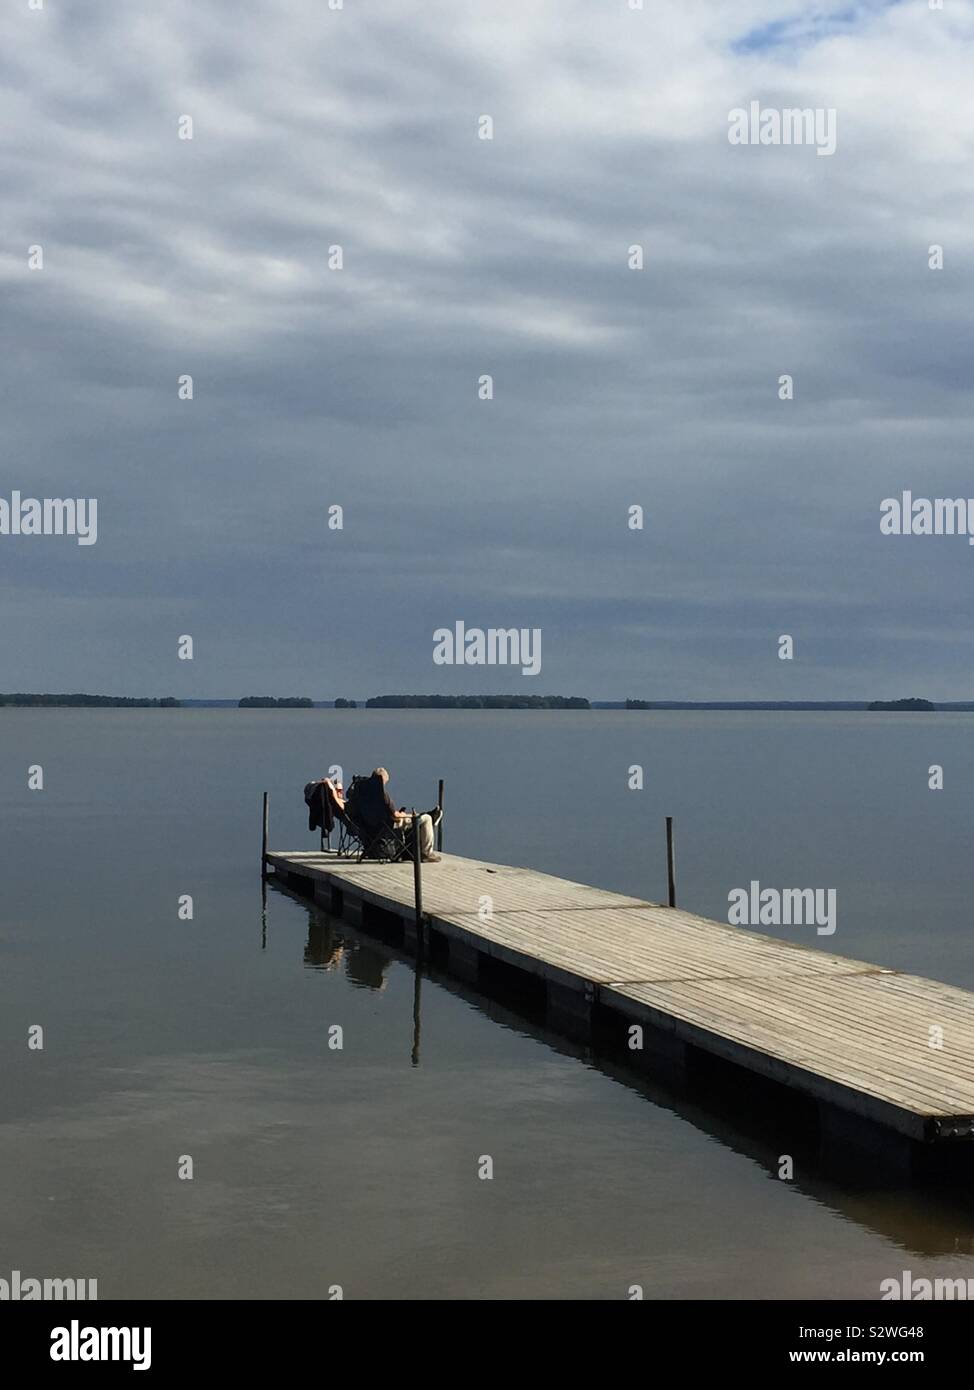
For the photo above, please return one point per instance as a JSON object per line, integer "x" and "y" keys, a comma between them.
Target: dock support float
{"x": 849, "y": 1142}
{"x": 464, "y": 960}
{"x": 570, "y": 1009}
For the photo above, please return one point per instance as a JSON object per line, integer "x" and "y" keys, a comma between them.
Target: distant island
{"x": 477, "y": 702}
{"x": 89, "y": 701}
{"x": 345, "y": 704}
{"x": 902, "y": 704}
{"x": 269, "y": 702}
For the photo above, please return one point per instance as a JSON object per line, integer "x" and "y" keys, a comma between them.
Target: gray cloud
{"x": 358, "y": 127}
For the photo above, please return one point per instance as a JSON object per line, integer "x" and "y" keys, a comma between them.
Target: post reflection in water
{"x": 417, "y": 983}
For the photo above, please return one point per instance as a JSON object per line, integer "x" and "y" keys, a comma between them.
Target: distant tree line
{"x": 268, "y": 702}
{"x": 101, "y": 701}
{"x": 477, "y": 702}
{"x": 345, "y": 704}
{"x": 902, "y": 704}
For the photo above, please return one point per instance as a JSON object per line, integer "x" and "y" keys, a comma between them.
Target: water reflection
{"x": 330, "y": 945}
{"x": 325, "y": 947}
{"x": 417, "y": 1009}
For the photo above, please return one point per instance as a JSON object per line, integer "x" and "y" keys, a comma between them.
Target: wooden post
{"x": 418, "y": 884}
{"x": 670, "y": 863}
{"x": 439, "y": 828}
{"x": 263, "y": 842}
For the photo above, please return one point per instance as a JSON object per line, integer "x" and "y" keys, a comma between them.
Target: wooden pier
{"x": 853, "y": 1037}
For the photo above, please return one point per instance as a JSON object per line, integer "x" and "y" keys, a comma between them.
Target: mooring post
{"x": 418, "y": 884}
{"x": 263, "y": 843}
{"x": 439, "y": 828}
{"x": 670, "y": 864}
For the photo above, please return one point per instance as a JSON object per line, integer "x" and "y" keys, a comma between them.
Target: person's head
{"x": 381, "y": 773}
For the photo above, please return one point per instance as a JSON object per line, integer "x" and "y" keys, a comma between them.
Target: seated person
{"x": 401, "y": 819}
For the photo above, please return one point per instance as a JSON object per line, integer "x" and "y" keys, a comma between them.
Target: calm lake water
{"x": 359, "y": 1167}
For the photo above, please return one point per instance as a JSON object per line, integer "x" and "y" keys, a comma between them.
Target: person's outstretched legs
{"x": 427, "y": 842}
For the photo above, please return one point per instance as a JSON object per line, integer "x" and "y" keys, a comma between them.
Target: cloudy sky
{"x": 313, "y": 387}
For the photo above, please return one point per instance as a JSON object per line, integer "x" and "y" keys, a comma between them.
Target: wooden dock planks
{"x": 848, "y": 1033}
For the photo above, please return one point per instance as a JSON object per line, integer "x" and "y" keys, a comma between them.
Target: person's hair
{"x": 380, "y": 772}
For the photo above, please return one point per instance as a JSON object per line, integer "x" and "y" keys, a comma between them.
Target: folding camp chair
{"x": 325, "y": 814}
{"x": 368, "y": 818}
{"x": 349, "y": 835}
